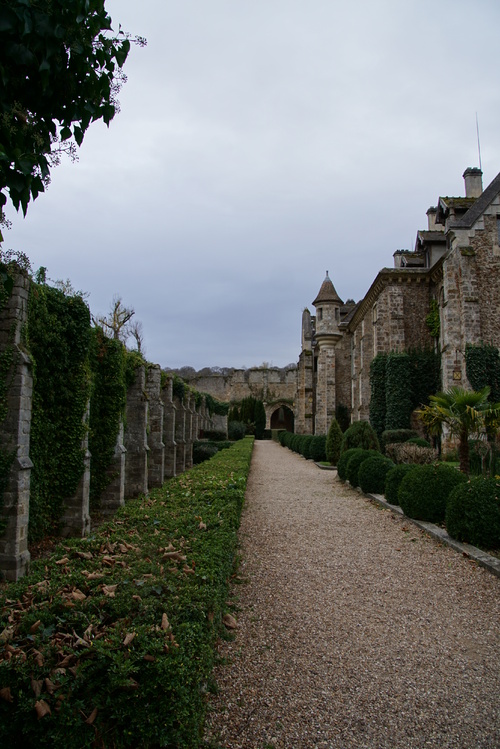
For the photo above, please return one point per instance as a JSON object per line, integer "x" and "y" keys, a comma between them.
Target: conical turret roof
{"x": 327, "y": 293}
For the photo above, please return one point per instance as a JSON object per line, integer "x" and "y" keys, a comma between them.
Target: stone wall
{"x": 15, "y": 434}
{"x": 156, "y": 443}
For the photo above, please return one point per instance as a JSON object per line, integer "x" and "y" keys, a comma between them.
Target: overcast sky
{"x": 260, "y": 143}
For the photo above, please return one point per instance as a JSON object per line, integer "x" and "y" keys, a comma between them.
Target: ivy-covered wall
{"x": 58, "y": 337}
{"x": 401, "y": 382}
{"x": 483, "y": 368}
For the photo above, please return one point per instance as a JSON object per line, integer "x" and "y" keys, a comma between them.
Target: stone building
{"x": 456, "y": 263}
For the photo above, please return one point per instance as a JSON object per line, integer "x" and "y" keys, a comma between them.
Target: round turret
{"x": 328, "y": 304}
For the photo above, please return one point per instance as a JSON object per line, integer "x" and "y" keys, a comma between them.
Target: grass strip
{"x": 110, "y": 642}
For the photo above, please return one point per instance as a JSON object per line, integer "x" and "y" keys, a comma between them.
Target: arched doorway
{"x": 282, "y": 418}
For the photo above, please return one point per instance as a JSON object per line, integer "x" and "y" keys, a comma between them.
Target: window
{"x": 320, "y": 313}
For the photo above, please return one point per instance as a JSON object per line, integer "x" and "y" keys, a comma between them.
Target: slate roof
{"x": 327, "y": 293}
{"x": 480, "y": 205}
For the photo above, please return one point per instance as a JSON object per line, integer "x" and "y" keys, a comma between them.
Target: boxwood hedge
{"x": 424, "y": 491}
{"x": 372, "y": 473}
{"x": 473, "y": 512}
{"x": 110, "y": 642}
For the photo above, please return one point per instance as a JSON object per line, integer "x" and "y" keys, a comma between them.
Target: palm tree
{"x": 465, "y": 412}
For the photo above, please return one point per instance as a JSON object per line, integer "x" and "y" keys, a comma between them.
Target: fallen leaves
{"x": 42, "y": 709}
{"x": 229, "y": 621}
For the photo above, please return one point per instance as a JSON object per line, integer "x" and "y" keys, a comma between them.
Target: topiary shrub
{"x": 424, "y": 491}
{"x": 372, "y": 473}
{"x": 418, "y": 441}
{"x": 360, "y": 434}
{"x": 236, "y": 430}
{"x": 343, "y": 461}
{"x": 203, "y": 451}
{"x": 352, "y": 471}
{"x": 215, "y": 435}
{"x": 318, "y": 448}
{"x": 305, "y": 445}
{"x": 333, "y": 442}
{"x": 391, "y": 436}
{"x": 473, "y": 512}
{"x": 393, "y": 479}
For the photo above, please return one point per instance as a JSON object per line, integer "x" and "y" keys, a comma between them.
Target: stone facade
{"x": 146, "y": 452}
{"x": 456, "y": 261}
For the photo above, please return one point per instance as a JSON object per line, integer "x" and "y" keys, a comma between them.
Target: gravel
{"x": 354, "y": 628}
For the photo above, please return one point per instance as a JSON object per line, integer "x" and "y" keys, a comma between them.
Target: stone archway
{"x": 280, "y": 416}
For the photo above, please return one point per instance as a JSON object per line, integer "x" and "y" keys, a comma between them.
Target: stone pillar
{"x": 136, "y": 441}
{"x": 169, "y": 419}
{"x": 75, "y": 520}
{"x": 180, "y": 425}
{"x": 156, "y": 457}
{"x": 15, "y": 430}
{"x": 305, "y": 394}
{"x": 113, "y": 495}
{"x": 325, "y": 390}
{"x": 188, "y": 433}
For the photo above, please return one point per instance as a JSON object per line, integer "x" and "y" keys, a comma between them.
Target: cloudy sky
{"x": 260, "y": 143}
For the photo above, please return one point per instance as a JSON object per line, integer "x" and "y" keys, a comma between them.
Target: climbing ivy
{"x": 432, "y": 320}
{"x": 378, "y": 396}
{"x": 107, "y": 408}
{"x": 398, "y": 392}
{"x": 401, "y": 382}
{"x": 58, "y": 339}
{"x": 483, "y": 368}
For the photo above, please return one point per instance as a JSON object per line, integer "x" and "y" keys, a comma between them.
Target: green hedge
{"x": 113, "y": 638}
{"x": 318, "y": 448}
{"x": 360, "y": 434}
{"x": 423, "y": 492}
{"x": 473, "y": 512}
{"x": 354, "y": 463}
{"x": 372, "y": 473}
{"x": 392, "y": 436}
{"x": 58, "y": 337}
{"x": 393, "y": 480}
{"x": 343, "y": 461}
{"x": 333, "y": 443}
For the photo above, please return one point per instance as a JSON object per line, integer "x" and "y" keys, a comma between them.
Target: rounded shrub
{"x": 236, "y": 430}
{"x": 473, "y": 512}
{"x": 391, "y": 436}
{"x": 418, "y": 441}
{"x": 318, "y": 448}
{"x": 423, "y": 492}
{"x": 203, "y": 451}
{"x": 393, "y": 479}
{"x": 360, "y": 434}
{"x": 343, "y": 461}
{"x": 333, "y": 442}
{"x": 305, "y": 445}
{"x": 372, "y": 473}
{"x": 354, "y": 463}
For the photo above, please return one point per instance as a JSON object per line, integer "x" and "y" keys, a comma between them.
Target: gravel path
{"x": 354, "y": 629}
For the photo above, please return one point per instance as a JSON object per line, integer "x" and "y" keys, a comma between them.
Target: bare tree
{"x": 117, "y": 321}
{"x": 136, "y": 331}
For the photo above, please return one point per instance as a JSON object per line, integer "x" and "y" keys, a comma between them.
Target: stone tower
{"x": 328, "y": 304}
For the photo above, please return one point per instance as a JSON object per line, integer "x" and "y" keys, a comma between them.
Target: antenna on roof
{"x": 478, "y": 143}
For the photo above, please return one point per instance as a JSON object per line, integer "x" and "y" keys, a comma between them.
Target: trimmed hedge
{"x": 333, "y": 443}
{"x": 424, "y": 491}
{"x": 372, "y": 473}
{"x": 391, "y": 436}
{"x": 318, "y": 448}
{"x": 360, "y": 434}
{"x": 473, "y": 512}
{"x": 343, "y": 461}
{"x": 393, "y": 479}
{"x": 111, "y": 641}
{"x": 354, "y": 463}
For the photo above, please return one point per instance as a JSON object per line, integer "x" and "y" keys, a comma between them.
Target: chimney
{"x": 431, "y": 218}
{"x": 473, "y": 178}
